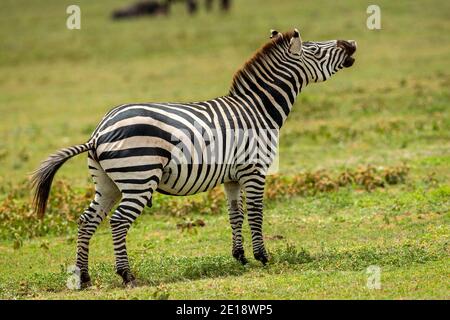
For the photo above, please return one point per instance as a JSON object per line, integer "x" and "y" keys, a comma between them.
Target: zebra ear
{"x": 295, "y": 45}
{"x": 273, "y": 33}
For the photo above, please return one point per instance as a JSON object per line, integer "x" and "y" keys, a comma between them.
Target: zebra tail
{"x": 41, "y": 179}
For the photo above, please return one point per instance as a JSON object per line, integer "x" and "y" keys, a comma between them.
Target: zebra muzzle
{"x": 348, "y": 62}
{"x": 350, "y": 48}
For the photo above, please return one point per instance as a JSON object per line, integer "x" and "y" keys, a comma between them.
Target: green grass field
{"x": 390, "y": 110}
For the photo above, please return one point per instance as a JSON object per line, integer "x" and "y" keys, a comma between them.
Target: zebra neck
{"x": 272, "y": 95}
{"x": 270, "y": 82}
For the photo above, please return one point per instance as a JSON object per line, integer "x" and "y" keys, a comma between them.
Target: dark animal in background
{"x": 142, "y": 8}
{"x": 192, "y": 5}
{"x": 155, "y": 8}
{"x": 224, "y": 4}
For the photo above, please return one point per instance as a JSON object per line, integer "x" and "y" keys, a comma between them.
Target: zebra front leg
{"x": 236, "y": 213}
{"x": 254, "y": 191}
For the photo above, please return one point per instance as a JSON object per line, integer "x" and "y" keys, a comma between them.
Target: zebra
{"x": 139, "y": 149}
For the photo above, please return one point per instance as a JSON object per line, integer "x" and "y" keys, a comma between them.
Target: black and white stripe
{"x": 187, "y": 148}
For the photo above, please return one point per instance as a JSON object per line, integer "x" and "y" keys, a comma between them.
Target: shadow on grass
{"x": 157, "y": 271}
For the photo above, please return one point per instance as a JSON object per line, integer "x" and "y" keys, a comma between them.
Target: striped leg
{"x": 254, "y": 191}
{"x": 106, "y": 195}
{"x": 134, "y": 199}
{"x": 236, "y": 213}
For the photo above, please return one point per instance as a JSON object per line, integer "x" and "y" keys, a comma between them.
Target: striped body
{"x": 187, "y": 148}
{"x": 198, "y": 146}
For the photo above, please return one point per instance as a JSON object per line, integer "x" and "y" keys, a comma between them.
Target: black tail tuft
{"x": 42, "y": 178}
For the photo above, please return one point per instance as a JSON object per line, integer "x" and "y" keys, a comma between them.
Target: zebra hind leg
{"x": 236, "y": 213}
{"x": 134, "y": 198}
{"x": 106, "y": 195}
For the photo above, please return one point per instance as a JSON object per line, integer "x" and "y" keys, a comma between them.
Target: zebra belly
{"x": 181, "y": 180}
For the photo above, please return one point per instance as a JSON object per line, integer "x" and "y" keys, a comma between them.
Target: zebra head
{"x": 319, "y": 60}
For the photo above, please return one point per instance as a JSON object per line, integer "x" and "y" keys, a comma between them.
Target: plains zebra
{"x": 187, "y": 148}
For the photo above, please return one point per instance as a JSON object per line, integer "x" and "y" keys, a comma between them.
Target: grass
{"x": 370, "y": 232}
{"x": 390, "y": 110}
{"x": 20, "y": 215}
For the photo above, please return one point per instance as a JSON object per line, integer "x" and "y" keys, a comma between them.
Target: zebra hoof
{"x": 242, "y": 259}
{"x": 128, "y": 278}
{"x": 131, "y": 284}
{"x": 262, "y": 257}
{"x": 85, "y": 280}
{"x": 85, "y": 285}
{"x": 238, "y": 254}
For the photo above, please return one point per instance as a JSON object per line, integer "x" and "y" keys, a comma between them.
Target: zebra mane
{"x": 260, "y": 54}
